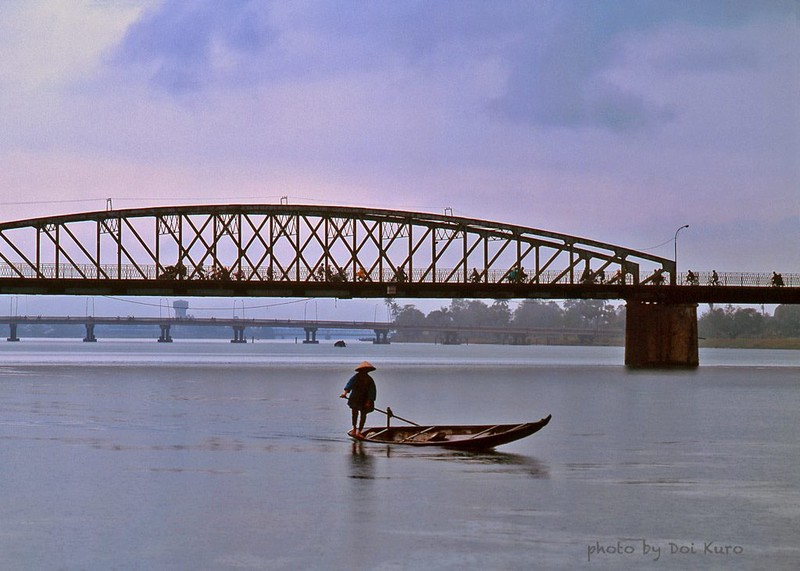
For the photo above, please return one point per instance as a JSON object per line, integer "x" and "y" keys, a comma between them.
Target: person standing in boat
{"x": 360, "y": 393}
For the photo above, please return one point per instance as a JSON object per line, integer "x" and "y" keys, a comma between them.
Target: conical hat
{"x": 366, "y": 367}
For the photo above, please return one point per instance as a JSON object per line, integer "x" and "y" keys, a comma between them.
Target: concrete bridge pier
{"x": 381, "y": 337}
{"x": 516, "y": 339}
{"x": 12, "y": 332}
{"x": 661, "y": 335}
{"x": 311, "y": 335}
{"x": 90, "y": 338}
{"x": 238, "y": 334}
{"x": 451, "y": 338}
{"x": 165, "y": 336}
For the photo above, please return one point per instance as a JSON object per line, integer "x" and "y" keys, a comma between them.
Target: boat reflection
{"x": 485, "y": 460}
{"x": 503, "y": 461}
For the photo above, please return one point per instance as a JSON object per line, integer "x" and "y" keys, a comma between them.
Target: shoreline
{"x": 792, "y": 343}
{"x": 788, "y": 343}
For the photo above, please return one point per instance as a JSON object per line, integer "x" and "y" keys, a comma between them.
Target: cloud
{"x": 185, "y": 46}
{"x": 558, "y": 57}
{"x": 45, "y": 44}
{"x": 559, "y": 76}
{"x": 614, "y": 119}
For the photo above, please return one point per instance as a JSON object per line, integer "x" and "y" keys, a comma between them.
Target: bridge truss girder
{"x": 268, "y": 249}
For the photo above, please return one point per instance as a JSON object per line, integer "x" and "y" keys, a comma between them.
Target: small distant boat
{"x": 340, "y": 343}
{"x": 463, "y": 437}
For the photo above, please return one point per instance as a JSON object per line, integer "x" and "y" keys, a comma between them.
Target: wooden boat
{"x": 464, "y": 437}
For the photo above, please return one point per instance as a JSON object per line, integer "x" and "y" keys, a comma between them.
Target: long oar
{"x": 389, "y": 414}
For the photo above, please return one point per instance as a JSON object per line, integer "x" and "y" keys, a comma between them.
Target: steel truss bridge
{"x": 282, "y": 250}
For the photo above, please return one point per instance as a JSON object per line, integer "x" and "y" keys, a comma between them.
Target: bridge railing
{"x": 441, "y": 275}
{"x": 81, "y": 271}
{"x": 151, "y": 272}
{"x": 750, "y": 279}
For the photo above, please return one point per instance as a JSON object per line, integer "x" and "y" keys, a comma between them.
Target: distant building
{"x": 180, "y": 306}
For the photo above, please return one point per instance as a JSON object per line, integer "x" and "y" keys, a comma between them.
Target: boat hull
{"x": 464, "y": 437}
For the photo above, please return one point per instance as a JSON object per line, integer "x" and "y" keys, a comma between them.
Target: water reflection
{"x": 361, "y": 465}
{"x": 485, "y": 460}
{"x": 503, "y": 461}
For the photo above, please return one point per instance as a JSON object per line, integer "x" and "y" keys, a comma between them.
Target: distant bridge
{"x": 283, "y": 250}
{"x": 449, "y": 334}
{"x": 237, "y": 324}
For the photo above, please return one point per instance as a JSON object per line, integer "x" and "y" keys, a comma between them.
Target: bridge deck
{"x": 211, "y": 288}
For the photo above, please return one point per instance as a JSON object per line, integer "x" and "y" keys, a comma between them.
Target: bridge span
{"x": 283, "y": 250}
{"x": 237, "y": 324}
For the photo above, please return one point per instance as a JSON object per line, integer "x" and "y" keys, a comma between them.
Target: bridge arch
{"x": 206, "y": 248}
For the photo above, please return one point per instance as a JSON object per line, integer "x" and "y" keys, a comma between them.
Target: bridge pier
{"x": 238, "y": 334}
{"x": 451, "y": 338}
{"x": 661, "y": 335}
{"x": 165, "y": 336}
{"x": 90, "y": 338}
{"x": 381, "y": 337}
{"x": 516, "y": 339}
{"x": 12, "y": 332}
{"x": 311, "y": 335}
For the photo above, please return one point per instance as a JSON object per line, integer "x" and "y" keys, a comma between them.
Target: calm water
{"x": 209, "y": 455}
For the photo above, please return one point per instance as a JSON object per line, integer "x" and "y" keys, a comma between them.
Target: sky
{"x": 618, "y": 121}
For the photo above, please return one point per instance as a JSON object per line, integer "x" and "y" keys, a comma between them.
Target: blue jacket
{"x": 362, "y": 390}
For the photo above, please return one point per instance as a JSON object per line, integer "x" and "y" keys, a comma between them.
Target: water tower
{"x": 180, "y": 306}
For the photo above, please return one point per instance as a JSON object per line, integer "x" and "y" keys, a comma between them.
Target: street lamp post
{"x": 675, "y": 242}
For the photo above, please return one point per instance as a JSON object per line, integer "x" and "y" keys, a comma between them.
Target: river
{"x": 211, "y": 455}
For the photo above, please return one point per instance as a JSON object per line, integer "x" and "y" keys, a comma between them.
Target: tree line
{"x": 717, "y": 322}
{"x": 747, "y": 323}
{"x": 528, "y": 314}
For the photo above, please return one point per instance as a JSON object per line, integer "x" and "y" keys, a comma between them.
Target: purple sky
{"x": 614, "y": 120}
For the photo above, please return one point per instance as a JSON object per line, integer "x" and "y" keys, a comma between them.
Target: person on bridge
{"x": 361, "y": 397}
{"x": 517, "y": 274}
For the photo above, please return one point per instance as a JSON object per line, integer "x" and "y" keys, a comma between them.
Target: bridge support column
{"x": 661, "y": 335}
{"x": 90, "y": 338}
{"x": 12, "y": 332}
{"x": 451, "y": 338}
{"x": 518, "y": 339}
{"x": 165, "y": 336}
{"x": 381, "y": 337}
{"x": 238, "y": 334}
{"x": 311, "y": 335}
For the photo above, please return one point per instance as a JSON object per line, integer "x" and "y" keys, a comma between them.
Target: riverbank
{"x": 712, "y": 343}
{"x": 774, "y": 343}
{"x": 708, "y": 343}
